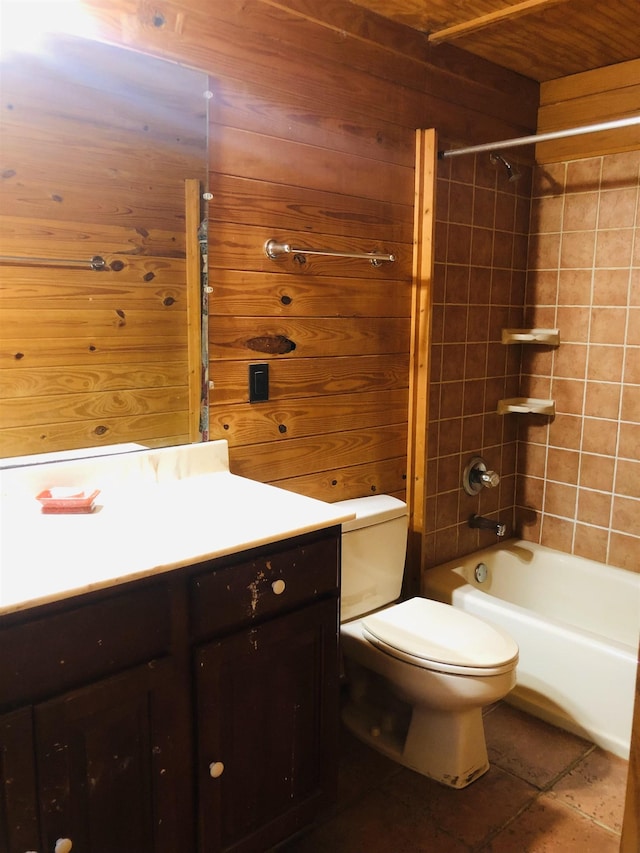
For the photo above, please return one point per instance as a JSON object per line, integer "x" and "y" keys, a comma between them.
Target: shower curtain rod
{"x": 541, "y": 137}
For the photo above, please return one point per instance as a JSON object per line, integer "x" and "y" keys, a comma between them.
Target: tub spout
{"x": 479, "y": 522}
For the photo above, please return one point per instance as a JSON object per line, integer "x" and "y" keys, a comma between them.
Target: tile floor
{"x": 547, "y": 791}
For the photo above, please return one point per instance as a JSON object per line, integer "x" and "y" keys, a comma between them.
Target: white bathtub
{"x": 577, "y": 623}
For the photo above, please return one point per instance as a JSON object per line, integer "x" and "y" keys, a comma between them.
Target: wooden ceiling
{"x": 541, "y": 39}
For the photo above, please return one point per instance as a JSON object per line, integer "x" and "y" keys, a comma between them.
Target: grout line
{"x": 545, "y": 789}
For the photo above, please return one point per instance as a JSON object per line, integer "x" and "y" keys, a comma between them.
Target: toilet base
{"x": 449, "y": 748}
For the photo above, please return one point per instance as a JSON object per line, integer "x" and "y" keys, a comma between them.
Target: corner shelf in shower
{"x": 526, "y": 405}
{"x": 551, "y": 337}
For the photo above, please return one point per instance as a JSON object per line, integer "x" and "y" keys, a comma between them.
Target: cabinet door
{"x": 18, "y": 799}
{"x": 267, "y": 729}
{"x": 110, "y": 765}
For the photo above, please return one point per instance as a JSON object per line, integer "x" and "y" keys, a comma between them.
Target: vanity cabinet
{"x": 197, "y": 710}
{"x": 96, "y": 753}
{"x": 265, "y": 767}
{"x": 267, "y": 695}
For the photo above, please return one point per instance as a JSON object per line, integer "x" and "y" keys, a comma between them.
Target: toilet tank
{"x": 374, "y": 547}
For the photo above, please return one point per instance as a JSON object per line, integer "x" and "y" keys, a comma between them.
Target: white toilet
{"x": 418, "y": 672}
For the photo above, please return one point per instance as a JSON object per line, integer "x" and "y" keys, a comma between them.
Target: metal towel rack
{"x": 273, "y": 249}
{"x": 95, "y": 263}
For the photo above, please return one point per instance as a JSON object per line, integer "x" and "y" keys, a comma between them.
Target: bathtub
{"x": 577, "y": 623}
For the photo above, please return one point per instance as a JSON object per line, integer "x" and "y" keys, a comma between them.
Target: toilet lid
{"x": 441, "y": 634}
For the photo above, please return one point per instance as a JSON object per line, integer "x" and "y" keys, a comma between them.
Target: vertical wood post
{"x": 423, "y": 256}
{"x": 630, "y": 841}
{"x": 194, "y": 304}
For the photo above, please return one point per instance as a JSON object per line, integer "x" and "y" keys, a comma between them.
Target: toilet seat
{"x": 439, "y": 637}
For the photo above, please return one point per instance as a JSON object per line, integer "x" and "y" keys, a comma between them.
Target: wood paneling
{"x": 96, "y": 145}
{"x": 630, "y": 841}
{"x": 542, "y": 39}
{"x": 597, "y": 96}
{"x": 311, "y": 140}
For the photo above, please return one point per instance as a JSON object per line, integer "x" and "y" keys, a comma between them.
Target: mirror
{"x": 104, "y": 161}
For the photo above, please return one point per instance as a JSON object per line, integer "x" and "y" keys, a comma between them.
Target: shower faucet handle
{"x": 477, "y": 476}
{"x": 490, "y": 479}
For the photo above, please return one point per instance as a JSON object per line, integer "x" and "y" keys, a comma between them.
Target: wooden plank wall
{"x": 603, "y": 95}
{"x": 312, "y": 139}
{"x": 91, "y": 166}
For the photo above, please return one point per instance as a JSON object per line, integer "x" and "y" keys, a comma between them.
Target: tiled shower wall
{"x": 579, "y": 475}
{"x": 482, "y": 226}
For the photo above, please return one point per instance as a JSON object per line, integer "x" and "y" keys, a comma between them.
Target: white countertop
{"x": 157, "y": 510}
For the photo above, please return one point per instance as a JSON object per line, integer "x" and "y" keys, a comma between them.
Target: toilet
{"x": 418, "y": 672}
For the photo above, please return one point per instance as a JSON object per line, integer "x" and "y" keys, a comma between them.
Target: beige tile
{"x": 617, "y": 208}
{"x": 607, "y": 326}
{"x": 625, "y": 517}
{"x": 457, "y": 285}
{"x": 544, "y": 251}
{"x": 557, "y": 533}
{"x": 560, "y": 499}
{"x": 584, "y": 175}
{"x": 562, "y": 465}
{"x": 532, "y": 459}
{"x": 591, "y": 542}
{"x": 594, "y": 507}
{"x": 633, "y": 332}
{"x": 628, "y": 478}
{"x": 596, "y": 472}
{"x": 599, "y": 436}
{"x": 580, "y": 211}
{"x": 629, "y": 446}
{"x": 565, "y": 430}
{"x": 620, "y": 169}
{"x": 458, "y": 244}
{"x": 631, "y": 403}
{"x": 610, "y": 286}
{"x": 605, "y": 363}
{"x": 573, "y": 323}
{"x": 613, "y": 248}
{"x": 624, "y": 551}
{"x": 570, "y": 361}
{"x": 574, "y": 287}
{"x": 577, "y": 249}
{"x": 632, "y": 365}
{"x": 602, "y": 400}
{"x": 569, "y": 395}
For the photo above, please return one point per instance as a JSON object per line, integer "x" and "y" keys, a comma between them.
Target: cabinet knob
{"x": 278, "y": 587}
{"x": 63, "y": 845}
{"x": 216, "y": 769}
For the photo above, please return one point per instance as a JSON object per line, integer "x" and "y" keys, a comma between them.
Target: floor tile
{"x": 470, "y": 814}
{"x": 550, "y": 826}
{"x": 596, "y": 787}
{"x": 528, "y": 747}
{"x": 361, "y": 768}
{"x": 378, "y": 823}
{"x": 547, "y": 791}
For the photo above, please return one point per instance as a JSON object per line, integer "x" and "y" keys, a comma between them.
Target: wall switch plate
{"x": 258, "y": 383}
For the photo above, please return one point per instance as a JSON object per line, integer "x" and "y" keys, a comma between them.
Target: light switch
{"x": 258, "y": 383}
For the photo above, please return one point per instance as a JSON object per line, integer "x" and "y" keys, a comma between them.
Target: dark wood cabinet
{"x": 19, "y": 825}
{"x": 266, "y": 730}
{"x": 109, "y": 767}
{"x": 195, "y": 711}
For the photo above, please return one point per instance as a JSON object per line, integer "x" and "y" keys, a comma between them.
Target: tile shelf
{"x": 526, "y": 405}
{"x": 551, "y": 337}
